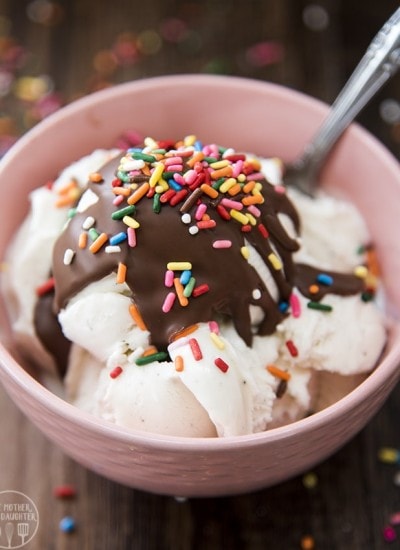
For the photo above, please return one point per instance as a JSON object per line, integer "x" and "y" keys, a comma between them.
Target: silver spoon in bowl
{"x": 379, "y": 63}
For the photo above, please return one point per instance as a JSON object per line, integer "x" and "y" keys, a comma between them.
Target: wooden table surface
{"x": 53, "y": 52}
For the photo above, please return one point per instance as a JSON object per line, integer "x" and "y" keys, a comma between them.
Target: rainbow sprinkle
{"x": 209, "y": 185}
{"x": 116, "y": 372}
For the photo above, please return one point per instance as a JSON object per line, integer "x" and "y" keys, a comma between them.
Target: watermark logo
{"x": 19, "y": 519}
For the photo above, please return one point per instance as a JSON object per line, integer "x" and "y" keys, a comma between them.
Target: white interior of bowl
{"x": 213, "y": 108}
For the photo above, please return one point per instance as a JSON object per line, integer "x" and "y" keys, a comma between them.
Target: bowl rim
{"x": 11, "y": 369}
{"x": 175, "y": 80}
{"x": 317, "y": 106}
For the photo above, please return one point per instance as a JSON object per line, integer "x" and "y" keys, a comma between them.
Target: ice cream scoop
{"x": 181, "y": 280}
{"x": 183, "y": 235}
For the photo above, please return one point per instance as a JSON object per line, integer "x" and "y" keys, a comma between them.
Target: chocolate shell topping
{"x": 174, "y": 223}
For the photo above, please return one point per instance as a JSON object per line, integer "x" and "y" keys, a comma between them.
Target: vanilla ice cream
{"x": 185, "y": 291}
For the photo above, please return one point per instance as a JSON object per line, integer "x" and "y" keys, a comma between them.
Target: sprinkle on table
{"x": 310, "y": 480}
{"x": 394, "y": 518}
{"x": 307, "y": 542}
{"x": 65, "y": 491}
{"x": 389, "y": 455}
{"x": 67, "y": 524}
{"x": 389, "y": 533}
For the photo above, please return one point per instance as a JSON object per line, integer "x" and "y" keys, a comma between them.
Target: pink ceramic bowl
{"x": 248, "y": 115}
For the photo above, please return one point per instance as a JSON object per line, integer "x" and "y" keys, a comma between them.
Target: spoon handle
{"x": 379, "y": 63}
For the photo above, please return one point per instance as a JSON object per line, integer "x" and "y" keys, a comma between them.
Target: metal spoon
{"x": 379, "y": 63}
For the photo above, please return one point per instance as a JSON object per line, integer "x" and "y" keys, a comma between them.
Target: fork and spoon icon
{"x": 22, "y": 531}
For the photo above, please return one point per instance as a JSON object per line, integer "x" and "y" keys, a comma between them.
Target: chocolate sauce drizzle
{"x": 163, "y": 237}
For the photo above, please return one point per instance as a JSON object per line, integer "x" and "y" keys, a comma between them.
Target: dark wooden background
{"x": 54, "y": 51}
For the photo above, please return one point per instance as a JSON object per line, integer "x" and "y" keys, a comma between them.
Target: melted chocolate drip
{"x": 343, "y": 284}
{"x": 49, "y": 332}
{"x": 163, "y": 237}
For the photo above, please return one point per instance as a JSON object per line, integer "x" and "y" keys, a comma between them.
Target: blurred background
{"x": 54, "y": 51}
